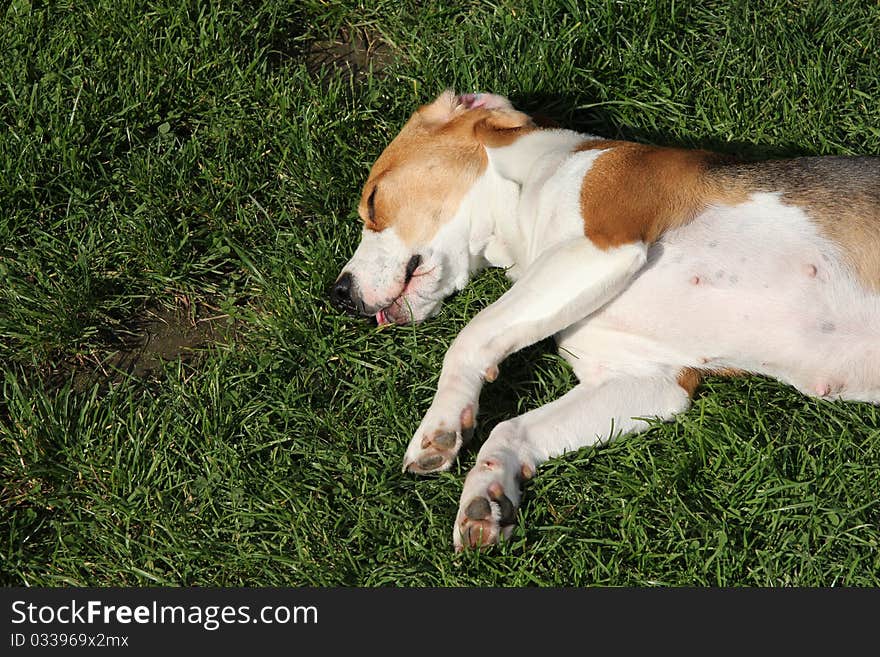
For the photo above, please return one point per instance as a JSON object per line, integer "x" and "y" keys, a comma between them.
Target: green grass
{"x": 202, "y": 161}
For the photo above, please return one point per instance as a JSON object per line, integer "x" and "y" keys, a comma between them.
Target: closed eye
{"x": 371, "y": 206}
{"x": 412, "y": 265}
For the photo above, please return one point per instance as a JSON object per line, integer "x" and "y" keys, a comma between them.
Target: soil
{"x": 153, "y": 337}
{"x": 353, "y": 51}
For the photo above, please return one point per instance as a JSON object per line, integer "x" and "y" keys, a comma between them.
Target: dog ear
{"x": 448, "y": 104}
{"x": 501, "y": 128}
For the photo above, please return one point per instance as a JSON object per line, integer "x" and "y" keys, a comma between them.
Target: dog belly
{"x": 752, "y": 287}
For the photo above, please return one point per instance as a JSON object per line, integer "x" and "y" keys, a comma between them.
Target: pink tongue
{"x": 380, "y": 318}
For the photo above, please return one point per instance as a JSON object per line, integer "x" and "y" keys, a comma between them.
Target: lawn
{"x": 182, "y": 406}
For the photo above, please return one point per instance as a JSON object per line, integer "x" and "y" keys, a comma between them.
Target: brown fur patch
{"x": 503, "y": 128}
{"x": 635, "y": 192}
{"x": 690, "y": 378}
{"x": 420, "y": 178}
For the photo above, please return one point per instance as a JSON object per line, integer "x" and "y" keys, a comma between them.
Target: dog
{"x": 652, "y": 267}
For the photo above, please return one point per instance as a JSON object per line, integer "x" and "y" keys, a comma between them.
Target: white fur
{"x": 380, "y": 254}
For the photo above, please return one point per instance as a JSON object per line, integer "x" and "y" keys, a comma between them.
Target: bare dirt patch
{"x": 353, "y": 52}
{"x": 155, "y": 336}
{"x": 163, "y": 334}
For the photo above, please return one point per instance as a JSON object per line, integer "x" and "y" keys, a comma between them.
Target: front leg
{"x": 564, "y": 285}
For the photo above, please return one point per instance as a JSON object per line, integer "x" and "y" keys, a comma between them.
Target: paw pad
{"x": 478, "y": 509}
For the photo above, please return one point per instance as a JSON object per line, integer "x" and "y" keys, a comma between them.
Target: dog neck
{"x": 533, "y": 154}
{"x": 492, "y": 206}
{"x": 501, "y": 221}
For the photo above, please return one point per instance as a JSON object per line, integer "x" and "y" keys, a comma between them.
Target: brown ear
{"x": 502, "y": 128}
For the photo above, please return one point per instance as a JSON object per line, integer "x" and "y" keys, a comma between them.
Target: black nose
{"x": 340, "y": 295}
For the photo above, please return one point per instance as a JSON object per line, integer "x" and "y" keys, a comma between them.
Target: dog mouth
{"x": 399, "y": 311}
{"x": 382, "y": 318}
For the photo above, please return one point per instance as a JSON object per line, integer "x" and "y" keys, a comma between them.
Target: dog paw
{"x": 438, "y": 440}
{"x": 488, "y": 505}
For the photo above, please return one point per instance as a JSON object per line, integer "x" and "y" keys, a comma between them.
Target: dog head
{"x": 418, "y": 205}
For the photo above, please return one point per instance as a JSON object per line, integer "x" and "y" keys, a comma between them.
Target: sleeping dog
{"x": 652, "y": 267}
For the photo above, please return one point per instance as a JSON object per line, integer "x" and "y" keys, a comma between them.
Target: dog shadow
{"x": 567, "y": 111}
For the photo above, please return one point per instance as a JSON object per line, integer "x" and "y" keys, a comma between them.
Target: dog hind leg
{"x": 587, "y": 415}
